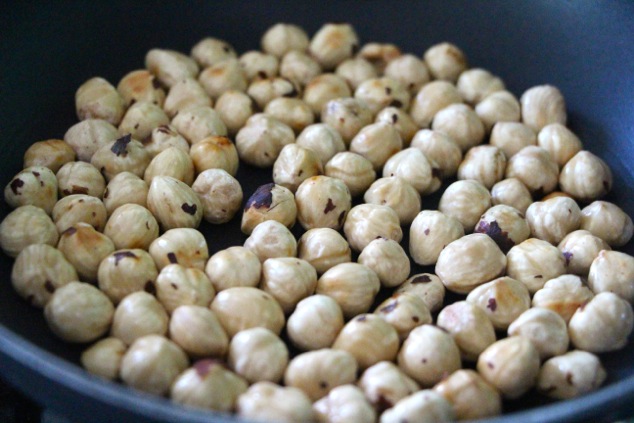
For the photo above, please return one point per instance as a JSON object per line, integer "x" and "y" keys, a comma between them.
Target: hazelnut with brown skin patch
{"x": 379, "y": 93}
{"x": 52, "y": 153}
{"x": 404, "y": 311}
{"x": 570, "y": 375}
{"x": 185, "y": 93}
{"x": 503, "y": 300}
{"x": 269, "y": 202}
{"x": 173, "y": 203}
{"x": 36, "y": 186}
{"x": 379, "y": 54}
{"x": 77, "y": 208}
{"x": 409, "y": 70}
{"x": 126, "y": 271}
{"x": 122, "y": 155}
{"x": 141, "y": 118}
{"x": 429, "y": 233}
{"x": 223, "y": 76}
{"x": 428, "y": 287}
{"x": 141, "y": 85}
{"x": 580, "y": 248}
{"x": 256, "y": 64}
{"x": 88, "y": 136}
{"x": 322, "y": 202}
{"x": 294, "y": 165}
{"x": 505, "y": 225}
{"x": 185, "y": 246}
{"x": 384, "y": 384}
{"x": 396, "y": 193}
{"x": 347, "y": 115}
{"x": 85, "y": 248}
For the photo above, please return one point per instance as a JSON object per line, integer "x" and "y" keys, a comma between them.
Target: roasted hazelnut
{"x": 122, "y": 155}
{"x": 141, "y": 118}
{"x": 348, "y": 116}
{"x": 580, "y": 248}
{"x": 344, "y": 403}
{"x": 197, "y": 331}
{"x": 333, "y": 43}
{"x": 607, "y": 221}
{"x": 461, "y": 124}
{"x": 534, "y": 262}
{"x": 35, "y": 186}
{"x": 170, "y": 66}
{"x": 223, "y": 76}
{"x": 323, "y": 248}
{"x": 511, "y": 192}
{"x": 270, "y": 402}
{"x": 369, "y": 339}
{"x": 215, "y": 152}
{"x": 439, "y": 148}
{"x": 178, "y": 285}
{"x": 281, "y": 38}
{"x": 485, "y": 164}
{"x": 543, "y": 105}
{"x": 271, "y": 239}
{"x": 553, "y": 219}
{"x": 38, "y": 271}
{"x": 323, "y": 140}
{"x": 404, "y": 312}
{"x": 84, "y": 248}
{"x": 445, "y": 61}
{"x": 318, "y": 372}
{"x": 379, "y": 93}
{"x": 470, "y": 261}
{"x": 152, "y": 364}
{"x": 428, "y": 287}
{"x": 103, "y": 358}
{"x": 377, "y": 142}
{"x": 232, "y": 267}
{"x": 366, "y": 222}
{"x": 409, "y": 70}
{"x": 426, "y": 405}
{"x": 299, "y": 66}
{"x": 210, "y": 50}
{"x": 260, "y": 141}
{"x": 288, "y": 280}
{"x": 52, "y": 153}
{"x": 322, "y": 202}
{"x": 470, "y": 395}
{"x": 498, "y": 107}
{"x": 140, "y": 85}
{"x": 356, "y": 70}
{"x": 88, "y": 136}
{"x": 476, "y": 84}
{"x": 323, "y": 88}
{"x": 220, "y": 194}
{"x": 563, "y": 295}
{"x": 570, "y": 375}
{"x": 137, "y": 315}
{"x": 412, "y": 165}
{"x": 511, "y": 365}
{"x": 98, "y": 99}
{"x": 466, "y": 201}
{"x": 264, "y": 311}
{"x": 384, "y": 384}
{"x": 126, "y": 271}
{"x": 430, "y": 99}
{"x": 613, "y": 271}
{"x": 469, "y": 326}
{"x": 293, "y": 112}
{"x": 185, "y": 246}
{"x": 173, "y": 162}
{"x": 257, "y": 64}
{"x": 353, "y": 169}
{"x": 401, "y": 120}
{"x": 430, "y": 232}
{"x": 294, "y": 165}
{"x": 78, "y": 312}
{"x": 269, "y": 202}
{"x": 185, "y": 93}
{"x": 505, "y": 225}
{"x": 503, "y": 300}
{"x": 77, "y": 208}
{"x": 387, "y": 259}
{"x": 379, "y": 54}
{"x": 396, "y": 193}
{"x": 25, "y": 226}
{"x": 428, "y": 355}
{"x": 546, "y": 329}
{"x": 602, "y": 324}
{"x": 263, "y": 91}
{"x": 197, "y": 123}
{"x": 208, "y": 384}
{"x": 586, "y": 177}
{"x": 352, "y": 285}
{"x": 315, "y": 323}
{"x": 257, "y": 354}
{"x": 132, "y": 226}
{"x": 234, "y": 108}
{"x": 125, "y": 188}
{"x": 560, "y": 142}
{"x": 173, "y": 203}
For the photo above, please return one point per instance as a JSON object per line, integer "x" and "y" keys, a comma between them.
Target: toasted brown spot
{"x": 69, "y": 231}
{"x": 164, "y": 129}
{"x": 567, "y": 256}
{"x": 493, "y": 230}
{"x": 492, "y": 304}
{"x": 155, "y": 83}
{"x": 394, "y": 118}
{"x": 121, "y": 255}
{"x": 426, "y": 231}
{"x": 388, "y": 90}
{"x": 383, "y": 403}
{"x": 120, "y": 146}
{"x": 396, "y": 103}
{"x": 424, "y": 360}
{"x": 341, "y": 217}
{"x": 323, "y": 384}
{"x": 490, "y": 365}
{"x": 261, "y": 198}
{"x": 389, "y": 308}
{"x": 539, "y": 277}
{"x": 106, "y": 193}
{"x": 330, "y": 206}
{"x": 189, "y": 208}
{"x": 436, "y": 172}
{"x": 362, "y": 319}
{"x": 172, "y": 258}
{"x": 421, "y": 279}
{"x": 203, "y": 367}
{"x": 149, "y": 287}
{"x": 174, "y": 286}
{"x": 48, "y": 285}
{"x": 16, "y": 184}
{"x": 569, "y": 379}
{"x": 415, "y": 319}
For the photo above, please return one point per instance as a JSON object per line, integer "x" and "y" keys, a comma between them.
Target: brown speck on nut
{"x": 121, "y": 255}
{"x": 189, "y": 208}
{"x": 120, "y": 147}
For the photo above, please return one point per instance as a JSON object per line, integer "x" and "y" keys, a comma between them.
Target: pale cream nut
{"x": 503, "y": 300}
{"x": 322, "y": 202}
{"x": 256, "y": 64}
{"x": 137, "y": 315}
{"x": 343, "y": 404}
{"x": 178, "y": 285}
{"x": 173, "y": 203}
{"x": 215, "y": 152}
{"x": 172, "y": 161}
{"x": 476, "y": 84}
{"x": 324, "y": 140}
{"x": 409, "y": 70}
{"x": 197, "y": 330}
{"x": 141, "y": 118}
{"x": 299, "y": 66}
{"x": 257, "y": 354}
{"x": 347, "y": 115}
{"x": 498, "y": 107}
{"x": 586, "y": 177}
{"x": 445, "y": 61}
{"x": 294, "y": 165}
{"x": 469, "y": 326}
{"x": 88, "y": 136}
{"x": 77, "y": 208}
{"x": 323, "y": 88}
{"x": 428, "y": 287}
{"x": 412, "y": 165}
{"x": 295, "y": 113}
{"x": 543, "y": 105}
{"x": 289, "y": 280}
{"x": 353, "y": 169}
{"x": 124, "y": 154}
{"x": 220, "y": 194}
{"x": 607, "y": 221}
{"x": 232, "y": 267}
{"x": 429, "y": 233}
{"x": 223, "y": 76}
{"x": 84, "y": 248}
{"x": 211, "y": 50}
{"x": 51, "y": 153}
{"x": 580, "y": 248}
{"x": 24, "y": 226}
{"x": 439, "y": 148}
{"x": 484, "y": 163}
{"x": 315, "y": 323}
{"x": 126, "y": 271}
{"x": 466, "y": 201}
{"x": 98, "y": 99}
{"x": 352, "y": 285}
{"x": 534, "y": 262}
{"x": 404, "y": 311}
{"x": 379, "y": 93}
{"x": 333, "y": 43}
{"x": 235, "y": 108}
{"x": 140, "y": 85}
{"x": 384, "y": 384}
{"x": 260, "y": 141}
{"x": 471, "y": 396}
{"x": 323, "y": 248}
{"x": 103, "y": 358}
{"x": 366, "y": 222}
{"x": 430, "y": 99}
{"x": 425, "y": 405}
{"x": 35, "y": 186}
{"x": 535, "y": 168}
{"x": 387, "y": 259}
{"x": 131, "y": 226}
{"x": 613, "y": 271}
{"x": 170, "y": 66}
{"x": 184, "y": 246}
{"x": 401, "y": 120}
{"x": 199, "y": 122}
{"x": 511, "y": 192}
{"x": 281, "y": 38}
{"x": 270, "y": 402}
{"x": 546, "y": 329}
{"x": 185, "y": 93}
{"x": 396, "y": 193}
{"x": 551, "y": 220}
{"x": 377, "y": 142}
{"x": 571, "y": 375}
{"x": 511, "y": 137}
{"x": 125, "y": 188}
{"x": 563, "y": 295}
{"x": 356, "y": 70}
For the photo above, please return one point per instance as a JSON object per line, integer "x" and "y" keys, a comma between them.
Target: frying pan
{"x": 48, "y": 49}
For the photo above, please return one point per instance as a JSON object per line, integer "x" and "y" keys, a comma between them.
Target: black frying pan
{"x": 48, "y": 49}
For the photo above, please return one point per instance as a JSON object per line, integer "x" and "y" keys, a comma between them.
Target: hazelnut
{"x": 215, "y": 152}
{"x": 98, "y": 99}
{"x": 476, "y": 84}
{"x": 563, "y": 295}
{"x": 173, "y": 203}
{"x": 223, "y": 76}
{"x": 534, "y": 262}
{"x": 271, "y": 402}
{"x": 543, "y": 105}
{"x": 52, "y": 153}
{"x": 199, "y": 122}
{"x": 125, "y": 188}
{"x": 485, "y": 163}
{"x": 511, "y": 192}
{"x": 570, "y": 375}
{"x": 185, "y": 93}
{"x": 293, "y": 112}
{"x": 220, "y": 194}
{"x": 466, "y": 201}
{"x": 503, "y": 300}
{"x": 366, "y": 222}
{"x": 346, "y": 115}
{"x": 172, "y": 161}
{"x": 211, "y": 50}
{"x": 88, "y": 136}
{"x": 546, "y": 329}
{"x": 396, "y": 193}
{"x": 352, "y": 285}
{"x": 445, "y": 61}
{"x": 534, "y": 167}
{"x": 580, "y": 248}
{"x": 384, "y": 384}
{"x": 178, "y": 285}
{"x": 511, "y": 137}
{"x": 299, "y": 66}
{"x": 323, "y": 248}
{"x": 35, "y": 186}
{"x": 379, "y": 93}
{"x": 137, "y": 315}
{"x": 505, "y": 225}
{"x": 140, "y": 85}
{"x": 471, "y": 396}
{"x": 387, "y": 259}
{"x": 498, "y": 107}
{"x": 404, "y": 312}
{"x": 184, "y": 246}
{"x": 260, "y": 141}
{"x": 170, "y": 66}
{"x": 607, "y": 221}
{"x": 294, "y": 165}
{"x": 315, "y": 323}
{"x": 553, "y": 219}
{"x": 322, "y": 202}
{"x": 323, "y": 140}
{"x": 431, "y": 231}
{"x": 333, "y": 43}
{"x": 141, "y": 118}
{"x": 428, "y": 287}
{"x": 197, "y": 330}
{"x": 257, "y": 64}
{"x": 353, "y": 169}
{"x": 269, "y": 202}
{"x": 126, "y": 271}
{"x": 232, "y": 267}
{"x": 288, "y": 280}
{"x": 344, "y": 403}
{"x": 281, "y": 38}
{"x": 103, "y": 358}
{"x": 409, "y": 70}
{"x": 131, "y": 226}
{"x": 426, "y": 405}
{"x": 355, "y": 70}
{"x": 323, "y": 88}
{"x": 377, "y": 142}
{"x": 613, "y": 271}
{"x": 84, "y": 248}
{"x": 439, "y": 148}
{"x": 235, "y": 108}
{"x": 24, "y": 226}
{"x": 461, "y": 123}
{"x": 586, "y": 177}
{"x": 469, "y": 326}
{"x": 430, "y": 99}
{"x": 257, "y": 354}
{"x": 77, "y": 208}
